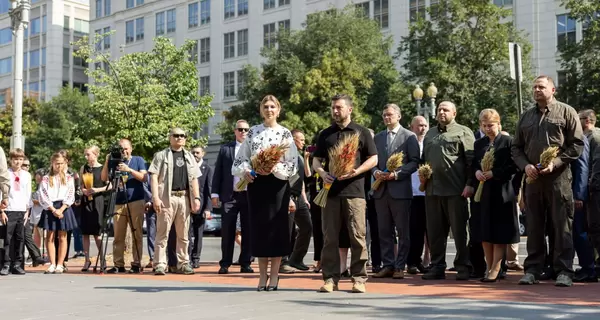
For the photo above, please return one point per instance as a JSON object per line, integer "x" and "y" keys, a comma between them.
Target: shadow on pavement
{"x": 216, "y": 289}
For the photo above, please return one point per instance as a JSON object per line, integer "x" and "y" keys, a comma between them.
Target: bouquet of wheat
{"x": 264, "y": 161}
{"x": 88, "y": 182}
{"x": 393, "y": 163}
{"x": 487, "y": 163}
{"x": 341, "y": 162}
{"x": 547, "y": 156}
{"x": 424, "y": 172}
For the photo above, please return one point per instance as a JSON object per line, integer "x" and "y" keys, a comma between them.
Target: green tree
{"x": 31, "y": 110}
{"x": 581, "y": 60}
{"x": 463, "y": 49}
{"x": 338, "y": 51}
{"x": 144, "y": 94}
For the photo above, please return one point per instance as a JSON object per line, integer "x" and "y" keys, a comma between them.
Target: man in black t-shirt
{"x": 346, "y": 198}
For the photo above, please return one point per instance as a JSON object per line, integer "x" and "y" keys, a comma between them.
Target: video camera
{"x": 116, "y": 157}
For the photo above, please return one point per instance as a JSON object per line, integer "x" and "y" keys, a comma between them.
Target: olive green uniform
{"x": 593, "y": 209}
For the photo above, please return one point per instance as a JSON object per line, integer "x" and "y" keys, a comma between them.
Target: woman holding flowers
{"x": 267, "y": 160}
{"x": 493, "y": 169}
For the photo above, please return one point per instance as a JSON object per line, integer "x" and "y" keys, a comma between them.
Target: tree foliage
{"x": 31, "y": 115}
{"x": 581, "y": 60}
{"x": 338, "y": 51}
{"x": 142, "y": 95}
{"x": 463, "y": 49}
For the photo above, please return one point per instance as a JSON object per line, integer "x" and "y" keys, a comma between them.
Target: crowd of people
{"x": 393, "y": 219}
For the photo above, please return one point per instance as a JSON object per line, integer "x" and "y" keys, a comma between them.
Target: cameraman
{"x": 133, "y": 169}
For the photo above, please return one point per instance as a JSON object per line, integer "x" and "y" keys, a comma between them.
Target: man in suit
{"x": 393, "y": 197}
{"x": 234, "y": 202}
{"x": 198, "y": 219}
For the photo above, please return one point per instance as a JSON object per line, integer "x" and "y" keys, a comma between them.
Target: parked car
{"x": 213, "y": 226}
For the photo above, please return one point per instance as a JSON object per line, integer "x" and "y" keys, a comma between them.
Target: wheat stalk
{"x": 547, "y": 156}
{"x": 393, "y": 163}
{"x": 487, "y": 163}
{"x": 424, "y": 172}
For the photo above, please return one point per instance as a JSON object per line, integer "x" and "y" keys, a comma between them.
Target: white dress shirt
{"x": 19, "y": 196}
{"x": 57, "y": 192}
{"x": 415, "y": 176}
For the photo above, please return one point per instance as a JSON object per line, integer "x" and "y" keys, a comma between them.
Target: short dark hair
{"x": 589, "y": 114}
{"x": 548, "y": 78}
{"x": 343, "y": 96}
{"x": 293, "y": 132}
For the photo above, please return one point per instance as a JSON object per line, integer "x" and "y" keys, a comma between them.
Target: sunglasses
{"x": 179, "y": 135}
{"x": 25, "y": 165}
{"x": 243, "y": 129}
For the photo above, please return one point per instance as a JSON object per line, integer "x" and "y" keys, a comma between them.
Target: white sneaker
{"x": 51, "y": 269}
{"x": 59, "y": 269}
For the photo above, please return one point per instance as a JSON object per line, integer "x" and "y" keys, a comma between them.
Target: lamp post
{"x": 19, "y": 16}
{"x": 425, "y": 108}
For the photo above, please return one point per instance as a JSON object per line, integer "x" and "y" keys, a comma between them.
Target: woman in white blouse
{"x": 57, "y": 194}
{"x": 268, "y": 192}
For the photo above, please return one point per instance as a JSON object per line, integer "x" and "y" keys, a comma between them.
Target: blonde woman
{"x": 92, "y": 204}
{"x": 56, "y": 197}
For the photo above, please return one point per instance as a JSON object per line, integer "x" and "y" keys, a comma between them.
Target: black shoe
{"x": 38, "y": 262}
{"x": 476, "y": 275}
{"x": 246, "y": 269}
{"x": 422, "y": 268}
{"x": 263, "y": 288}
{"x": 452, "y": 269}
{"x": 196, "y": 264}
{"x": 117, "y": 270}
{"x": 375, "y": 269}
{"x": 346, "y": 274}
{"x": 223, "y": 270}
{"x": 135, "y": 269}
{"x": 5, "y": 271}
{"x": 300, "y": 266}
{"x": 412, "y": 270}
{"x": 489, "y": 279}
{"x": 584, "y": 277}
{"x": 434, "y": 275}
{"x": 17, "y": 270}
{"x": 547, "y": 276}
{"x": 273, "y": 288}
{"x": 463, "y": 275}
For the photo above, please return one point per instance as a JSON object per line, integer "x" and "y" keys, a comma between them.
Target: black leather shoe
{"x": 135, "y": 269}
{"x": 196, "y": 264}
{"x": 18, "y": 270}
{"x": 299, "y": 266}
{"x": 584, "y": 277}
{"x": 412, "y": 270}
{"x": 117, "y": 270}
{"x": 223, "y": 270}
{"x": 5, "y": 271}
{"x": 434, "y": 275}
{"x": 246, "y": 269}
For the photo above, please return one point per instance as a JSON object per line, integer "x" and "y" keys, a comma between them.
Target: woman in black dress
{"x": 269, "y": 192}
{"x": 499, "y": 220}
{"x": 92, "y": 203}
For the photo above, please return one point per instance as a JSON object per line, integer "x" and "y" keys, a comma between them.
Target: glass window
{"x": 268, "y": 4}
{"x": 229, "y": 9}
{"x": 284, "y": 25}
{"x": 381, "y": 13}
{"x": 242, "y": 7}
{"x": 229, "y": 84}
{"x": 4, "y": 6}
{"x": 25, "y": 63}
{"x": 565, "y": 30}
{"x": 82, "y": 26}
{"x": 99, "y": 43}
{"x": 160, "y": 23}
{"x": 502, "y": 3}
{"x": 66, "y": 24}
{"x": 129, "y": 31}
{"x": 193, "y": 15}
{"x": 3, "y": 98}
{"x": 34, "y": 58}
{"x": 44, "y": 24}
{"x": 43, "y": 56}
{"x": 242, "y": 42}
{"x": 5, "y": 36}
{"x": 229, "y": 45}
{"x": 204, "y": 50}
{"x": 284, "y": 2}
{"x": 139, "y": 2}
{"x": 204, "y": 11}
{"x": 364, "y": 9}
{"x": 139, "y": 28}
{"x": 34, "y": 26}
{"x": 269, "y": 35}
{"x": 34, "y": 86}
{"x": 106, "y": 38}
{"x": 98, "y": 8}
{"x": 194, "y": 52}
{"x": 241, "y": 81}
{"x": 129, "y": 4}
{"x": 107, "y": 8}
{"x": 205, "y": 85}
{"x": 417, "y": 10}
{"x": 66, "y": 56}
{"x": 171, "y": 21}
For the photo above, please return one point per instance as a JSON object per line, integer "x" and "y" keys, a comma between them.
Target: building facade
{"x": 48, "y": 62}
{"x": 231, "y": 33}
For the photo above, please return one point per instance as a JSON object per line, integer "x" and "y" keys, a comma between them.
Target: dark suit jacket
{"x": 222, "y": 183}
{"x": 405, "y": 141}
{"x": 205, "y": 184}
{"x": 580, "y": 172}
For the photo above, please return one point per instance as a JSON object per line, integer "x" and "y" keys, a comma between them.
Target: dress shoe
{"x": 386, "y": 272}
{"x": 135, "y": 269}
{"x": 463, "y": 275}
{"x": 196, "y": 264}
{"x": 223, "y": 270}
{"x": 38, "y": 262}
{"x": 412, "y": 270}
{"x": 262, "y": 287}
{"x": 5, "y": 271}
{"x": 584, "y": 277}
{"x": 375, "y": 269}
{"x": 246, "y": 269}
{"x": 17, "y": 270}
{"x": 300, "y": 266}
{"x": 476, "y": 275}
{"x": 273, "y": 287}
{"x": 286, "y": 269}
{"x": 515, "y": 266}
{"x": 346, "y": 274}
{"x": 398, "y": 274}
{"x": 117, "y": 270}
{"x": 434, "y": 275}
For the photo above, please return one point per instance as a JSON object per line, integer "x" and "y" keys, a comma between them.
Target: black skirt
{"x": 49, "y": 222}
{"x": 269, "y": 200}
{"x": 92, "y": 215}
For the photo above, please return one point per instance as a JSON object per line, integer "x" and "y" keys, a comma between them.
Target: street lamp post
{"x": 19, "y": 16}
{"x": 425, "y": 108}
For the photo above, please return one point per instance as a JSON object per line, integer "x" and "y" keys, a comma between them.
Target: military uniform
{"x": 593, "y": 214}
{"x": 550, "y": 197}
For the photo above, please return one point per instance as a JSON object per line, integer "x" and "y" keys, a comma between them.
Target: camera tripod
{"x": 109, "y": 212}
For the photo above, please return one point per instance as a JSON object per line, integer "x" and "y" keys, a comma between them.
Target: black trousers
{"x": 239, "y": 205}
{"x": 476, "y": 254}
{"x": 301, "y": 239}
{"x": 14, "y": 237}
{"x": 418, "y": 231}
{"x": 196, "y": 233}
{"x": 374, "y": 230}
{"x": 34, "y": 251}
{"x": 315, "y": 216}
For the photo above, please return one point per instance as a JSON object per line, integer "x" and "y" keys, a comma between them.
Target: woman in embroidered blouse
{"x": 268, "y": 192}
{"x": 56, "y": 197}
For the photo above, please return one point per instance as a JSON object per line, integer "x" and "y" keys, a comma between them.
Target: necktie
{"x": 390, "y": 139}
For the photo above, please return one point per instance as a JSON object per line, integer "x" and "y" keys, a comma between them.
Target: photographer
{"x": 133, "y": 171}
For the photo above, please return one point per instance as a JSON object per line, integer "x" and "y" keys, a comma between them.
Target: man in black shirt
{"x": 346, "y": 198}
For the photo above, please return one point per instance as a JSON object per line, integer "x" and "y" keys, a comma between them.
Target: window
{"x": 284, "y": 2}
{"x": 194, "y": 52}
{"x": 229, "y": 84}
{"x": 364, "y": 9}
{"x": 98, "y": 9}
{"x": 242, "y": 7}
{"x": 284, "y": 25}
{"x": 4, "y": 6}
{"x": 34, "y": 86}
{"x": 160, "y": 23}
{"x": 5, "y": 36}
{"x": 107, "y": 8}
{"x": 129, "y": 4}
{"x": 229, "y": 9}
{"x": 34, "y": 58}
{"x": 204, "y": 85}
{"x": 66, "y": 23}
{"x": 82, "y": 26}
{"x": 269, "y": 35}
{"x": 204, "y": 50}
{"x": 66, "y": 56}
{"x": 241, "y": 75}
{"x": 502, "y": 3}
{"x": 3, "y": 98}
{"x": 381, "y": 13}
{"x": 6, "y": 65}
{"x": 242, "y": 42}
{"x": 229, "y": 45}
{"x": 192, "y": 15}
{"x": 171, "y": 21}
{"x": 25, "y": 61}
{"x": 417, "y": 10}
{"x": 106, "y": 38}
{"x": 99, "y": 43}
{"x": 129, "y": 31}
{"x": 204, "y": 11}
{"x": 139, "y": 2}
{"x": 43, "y": 56}
{"x": 139, "y": 28}
{"x": 44, "y": 24}
{"x": 79, "y": 62}
{"x": 269, "y": 4}
{"x": 34, "y": 27}
{"x": 565, "y": 30}
{"x": 585, "y": 24}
